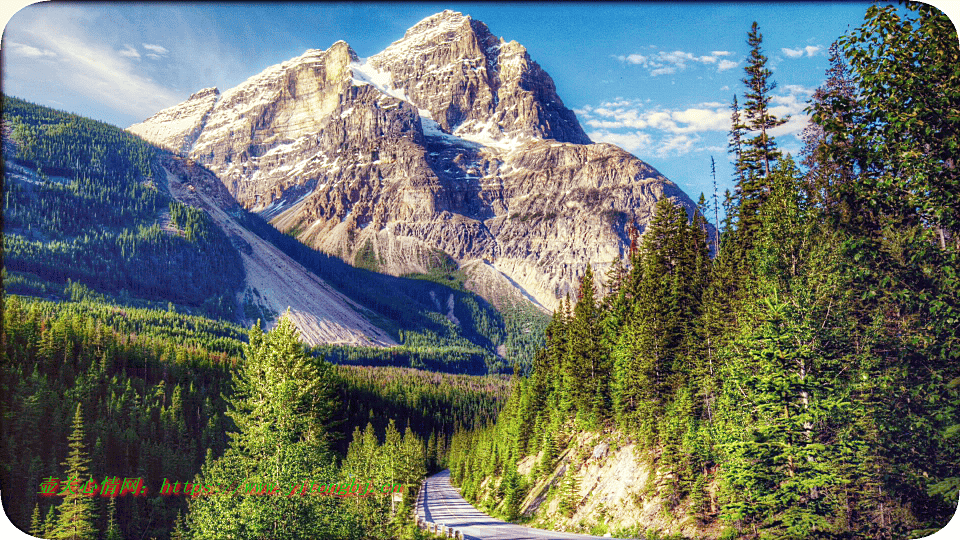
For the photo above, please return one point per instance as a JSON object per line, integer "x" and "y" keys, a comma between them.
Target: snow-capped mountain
{"x": 450, "y": 139}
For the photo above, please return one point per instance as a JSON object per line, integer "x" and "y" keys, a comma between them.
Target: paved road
{"x": 443, "y": 504}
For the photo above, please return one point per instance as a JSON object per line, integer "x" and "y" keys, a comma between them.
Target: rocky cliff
{"x": 450, "y": 140}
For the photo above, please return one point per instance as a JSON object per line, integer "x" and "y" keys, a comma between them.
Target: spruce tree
{"x": 585, "y": 367}
{"x": 76, "y": 511}
{"x": 736, "y": 141}
{"x": 36, "y": 522}
{"x": 113, "y": 529}
{"x": 760, "y": 151}
{"x": 50, "y": 523}
{"x": 282, "y": 405}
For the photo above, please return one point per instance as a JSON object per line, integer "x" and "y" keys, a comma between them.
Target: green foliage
{"x": 282, "y": 406}
{"x": 154, "y": 382}
{"x": 397, "y": 461}
{"x": 430, "y": 402}
{"x": 471, "y": 361}
{"x": 755, "y": 156}
{"x": 366, "y": 257}
{"x": 805, "y": 383}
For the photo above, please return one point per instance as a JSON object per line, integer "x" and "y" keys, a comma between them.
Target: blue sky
{"x": 654, "y": 78}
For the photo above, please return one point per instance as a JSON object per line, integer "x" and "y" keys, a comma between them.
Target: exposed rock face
{"x": 280, "y": 284}
{"x": 450, "y": 139}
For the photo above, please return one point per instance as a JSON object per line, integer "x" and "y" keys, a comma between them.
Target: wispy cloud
{"x": 129, "y": 52}
{"x": 28, "y": 51}
{"x": 792, "y": 103}
{"x": 670, "y": 62}
{"x": 85, "y": 65}
{"x": 155, "y": 48}
{"x": 809, "y": 50}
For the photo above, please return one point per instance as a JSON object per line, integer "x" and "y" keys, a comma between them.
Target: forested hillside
{"x": 148, "y": 393}
{"x": 87, "y": 201}
{"x": 804, "y": 383}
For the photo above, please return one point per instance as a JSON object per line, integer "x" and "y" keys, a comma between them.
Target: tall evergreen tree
{"x": 738, "y": 130}
{"x": 76, "y": 511}
{"x": 760, "y": 151}
{"x": 585, "y": 365}
{"x": 36, "y": 522}
{"x": 282, "y": 406}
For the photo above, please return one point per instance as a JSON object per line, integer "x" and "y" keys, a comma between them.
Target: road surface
{"x": 443, "y": 504}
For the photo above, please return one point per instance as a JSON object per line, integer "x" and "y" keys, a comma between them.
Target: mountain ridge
{"x": 449, "y": 140}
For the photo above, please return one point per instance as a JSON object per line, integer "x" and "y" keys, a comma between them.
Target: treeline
{"x": 154, "y": 388}
{"x": 471, "y": 361}
{"x": 805, "y": 382}
{"x": 432, "y": 404}
{"x": 83, "y": 201}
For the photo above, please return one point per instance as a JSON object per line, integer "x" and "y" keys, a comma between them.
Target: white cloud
{"x": 670, "y": 62}
{"x": 677, "y": 145}
{"x": 155, "y": 48}
{"x": 727, "y": 64}
{"x": 664, "y": 132}
{"x": 30, "y": 52}
{"x": 665, "y": 70}
{"x": 634, "y": 59}
{"x": 636, "y": 142}
{"x": 809, "y": 50}
{"x": 129, "y": 52}
{"x": 711, "y": 116}
{"x": 791, "y": 104}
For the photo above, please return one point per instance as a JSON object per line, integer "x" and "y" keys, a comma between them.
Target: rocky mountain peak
{"x": 200, "y": 94}
{"x": 450, "y": 143}
{"x": 474, "y": 85}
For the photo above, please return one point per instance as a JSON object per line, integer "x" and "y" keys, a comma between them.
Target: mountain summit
{"x": 450, "y": 143}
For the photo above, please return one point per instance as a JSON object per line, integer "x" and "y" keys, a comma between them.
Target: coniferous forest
{"x": 122, "y": 359}
{"x": 795, "y": 375}
{"x": 804, "y": 382}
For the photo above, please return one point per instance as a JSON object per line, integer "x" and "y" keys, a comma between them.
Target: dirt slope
{"x": 273, "y": 279}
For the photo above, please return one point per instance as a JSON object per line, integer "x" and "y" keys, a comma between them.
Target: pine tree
{"x": 76, "y": 511}
{"x": 113, "y": 529}
{"x": 736, "y": 141}
{"x": 36, "y": 522}
{"x": 586, "y": 364}
{"x": 759, "y": 152}
{"x": 282, "y": 406}
{"x": 432, "y": 451}
{"x": 50, "y": 523}
{"x": 178, "y": 532}
{"x": 761, "y": 149}
{"x": 833, "y": 103}
{"x": 570, "y": 491}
